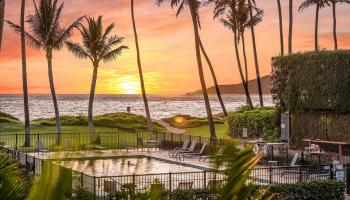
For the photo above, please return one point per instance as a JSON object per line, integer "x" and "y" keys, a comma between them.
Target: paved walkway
{"x": 168, "y": 127}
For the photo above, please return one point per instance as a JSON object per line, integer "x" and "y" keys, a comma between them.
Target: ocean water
{"x": 161, "y": 106}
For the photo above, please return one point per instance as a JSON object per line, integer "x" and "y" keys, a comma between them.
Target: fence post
{"x": 300, "y": 174}
{"x": 137, "y": 141}
{"x": 331, "y": 171}
{"x": 170, "y": 182}
{"x": 270, "y": 175}
{"x": 81, "y": 179}
{"x": 16, "y": 141}
{"x": 204, "y": 178}
{"x": 118, "y": 139}
{"x": 172, "y": 140}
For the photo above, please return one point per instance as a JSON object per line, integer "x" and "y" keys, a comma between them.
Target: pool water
{"x": 125, "y": 166}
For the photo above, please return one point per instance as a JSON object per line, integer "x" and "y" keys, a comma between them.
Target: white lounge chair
{"x": 40, "y": 147}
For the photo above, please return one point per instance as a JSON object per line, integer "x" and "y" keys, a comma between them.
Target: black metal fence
{"x": 109, "y": 140}
{"x": 103, "y": 187}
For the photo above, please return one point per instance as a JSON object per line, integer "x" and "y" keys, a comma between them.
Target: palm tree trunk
{"x": 280, "y": 26}
{"x": 91, "y": 100}
{"x": 201, "y": 73}
{"x": 250, "y": 104}
{"x": 335, "y": 26}
{"x": 24, "y": 79}
{"x": 144, "y": 96}
{"x": 2, "y": 17}
{"x": 217, "y": 89}
{"x": 290, "y": 34}
{"x": 53, "y": 94}
{"x": 316, "y": 27}
{"x": 245, "y": 62}
{"x": 257, "y": 69}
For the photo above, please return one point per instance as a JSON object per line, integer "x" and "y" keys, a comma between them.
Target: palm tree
{"x": 47, "y": 33}
{"x": 319, "y": 4}
{"x": 227, "y": 10}
{"x": 290, "y": 33}
{"x": 216, "y": 84}
{"x": 2, "y": 17}
{"x": 24, "y": 78}
{"x": 194, "y": 7}
{"x": 333, "y": 3}
{"x": 280, "y": 26}
{"x": 97, "y": 46}
{"x": 258, "y": 18}
{"x": 143, "y": 89}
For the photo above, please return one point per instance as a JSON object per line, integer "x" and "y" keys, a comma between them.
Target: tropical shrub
{"x": 320, "y": 190}
{"x": 4, "y": 117}
{"x": 312, "y": 81}
{"x": 260, "y": 122}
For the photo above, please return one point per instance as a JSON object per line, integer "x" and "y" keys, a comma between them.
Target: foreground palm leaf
{"x": 240, "y": 163}
{"x": 47, "y": 33}
{"x": 97, "y": 46}
{"x": 12, "y": 187}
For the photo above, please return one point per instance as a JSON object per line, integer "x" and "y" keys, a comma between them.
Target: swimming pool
{"x": 119, "y": 166}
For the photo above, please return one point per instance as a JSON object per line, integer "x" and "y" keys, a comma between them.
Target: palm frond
{"x": 12, "y": 187}
{"x": 30, "y": 40}
{"x": 112, "y": 55}
{"x": 77, "y": 50}
{"x": 66, "y": 33}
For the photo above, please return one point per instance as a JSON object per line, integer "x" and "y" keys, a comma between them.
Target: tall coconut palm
{"x": 319, "y": 4}
{"x": 194, "y": 7}
{"x": 333, "y": 3}
{"x": 24, "y": 78}
{"x": 227, "y": 10}
{"x": 216, "y": 84}
{"x": 47, "y": 33}
{"x": 2, "y": 17}
{"x": 280, "y": 26}
{"x": 143, "y": 89}
{"x": 256, "y": 19}
{"x": 97, "y": 45}
{"x": 290, "y": 32}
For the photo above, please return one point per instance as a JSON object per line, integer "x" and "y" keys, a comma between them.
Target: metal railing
{"x": 109, "y": 140}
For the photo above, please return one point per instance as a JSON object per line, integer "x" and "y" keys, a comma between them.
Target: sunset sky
{"x": 167, "y": 47}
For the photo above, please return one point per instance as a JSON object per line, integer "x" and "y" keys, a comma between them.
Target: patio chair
{"x": 185, "y": 185}
{"x": 110, "y": 186}
{"x": 219, "y": 153}
{"x": 199, "y": 153}
{"x": 145, "y": 144}
{"x": 40, "y": 147}
{"x": 181, "y": 153}
{"x": 214, "y": 184}
{"x": 176, "y": 149}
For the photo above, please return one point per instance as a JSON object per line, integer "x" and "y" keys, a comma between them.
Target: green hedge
{"x": 261, "y": 122}
{"x": 313, "y": 190}
{"x": 312, "y": 81}
{"x": 4, "y": 117}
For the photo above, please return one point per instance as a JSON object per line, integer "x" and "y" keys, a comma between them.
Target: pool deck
{"x": 162, "y": 155}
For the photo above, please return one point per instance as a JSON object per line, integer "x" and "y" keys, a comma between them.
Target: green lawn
{"x": 18, "y": 128}
{"x": 204, "y": 130}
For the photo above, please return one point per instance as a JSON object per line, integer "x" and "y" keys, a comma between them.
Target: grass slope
{"x": 103, "y": 123}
